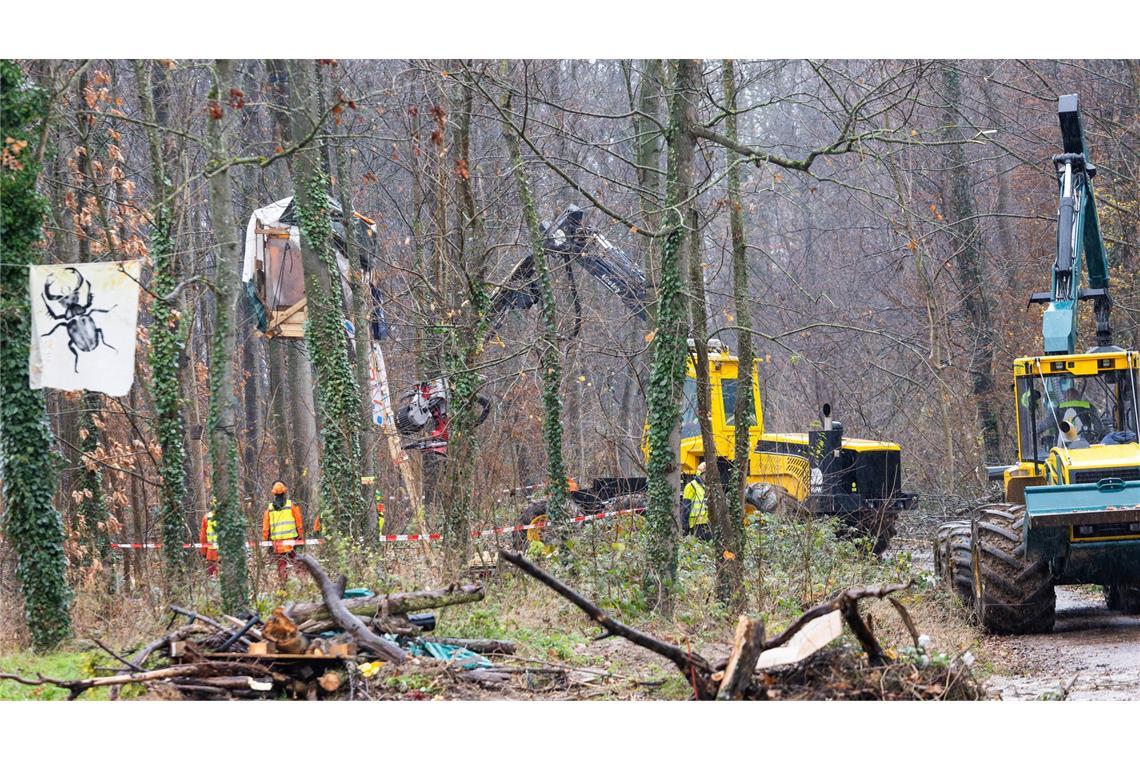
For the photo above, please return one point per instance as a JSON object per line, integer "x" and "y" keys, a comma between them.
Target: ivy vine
{"x": 31, "y": 524}
{"x": 341, "y": 504}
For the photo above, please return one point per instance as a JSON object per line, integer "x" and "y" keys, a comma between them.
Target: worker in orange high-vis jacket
{"x": 283, "y": 526}
{"x": 208, "y": 537}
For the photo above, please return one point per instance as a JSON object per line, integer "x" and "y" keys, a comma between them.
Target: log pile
{"x": 326, "y": 649}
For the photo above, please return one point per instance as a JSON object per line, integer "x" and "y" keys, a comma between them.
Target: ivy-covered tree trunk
{"x": 340, "y": 505}
{"x": 728, "y": 537}
{"x": 469, "y": 301}
{"x": 166, "y": 344}
{"x": 359, "y": 267}
{"x": 549, "y": 362}
{"x": 96, "y": 531}
{"x": 744, "y": 411}
{"x": 965, "y": 236}
{"x": 222, "y": 424}
{"x": 667, "y": 372}
{"x": 31, "y": 524}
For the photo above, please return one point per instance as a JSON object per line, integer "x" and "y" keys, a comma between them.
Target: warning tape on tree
{"x": 402, "y": 537}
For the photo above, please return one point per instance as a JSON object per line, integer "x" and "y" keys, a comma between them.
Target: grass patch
{"x": 64, "y": 665}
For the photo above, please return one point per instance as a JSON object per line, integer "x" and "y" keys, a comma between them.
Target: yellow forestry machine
{"x": 1072, "y": 509}
{"x": 821, "y": 472}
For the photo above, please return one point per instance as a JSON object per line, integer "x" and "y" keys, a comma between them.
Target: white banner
{"x": 84, "y": 318}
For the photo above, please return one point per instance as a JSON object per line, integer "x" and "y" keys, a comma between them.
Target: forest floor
{"x": 1093, "y": 654}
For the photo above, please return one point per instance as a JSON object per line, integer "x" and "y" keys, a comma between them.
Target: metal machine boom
{"x": 1079, "y": 243}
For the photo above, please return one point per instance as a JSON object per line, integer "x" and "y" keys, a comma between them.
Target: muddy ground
{"x": 1092, "y": 654}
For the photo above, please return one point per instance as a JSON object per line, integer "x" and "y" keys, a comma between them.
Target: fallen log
{"x": 695, "y": 668}
{"x": 478, "y": 646}
{"x": 351, "y": 624}
{"x": 386, "y": 605}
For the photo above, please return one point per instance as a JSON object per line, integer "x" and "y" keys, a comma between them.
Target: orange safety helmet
{"x": 279, "y": 487}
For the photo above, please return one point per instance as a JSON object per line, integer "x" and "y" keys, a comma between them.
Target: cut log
{"x": 282, "y": 631}
{"x": 808, "y": 640}
{"x": 351, "y": 624}
{"x": 330, "y": 681}
{"x": 389, "y": 604}
{"x": 747, "y": 645}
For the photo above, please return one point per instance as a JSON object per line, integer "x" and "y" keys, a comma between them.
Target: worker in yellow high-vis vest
{"x": 283, "y": 526}
{"x": 695, "y": 506}
{"x": 208, "y": 537}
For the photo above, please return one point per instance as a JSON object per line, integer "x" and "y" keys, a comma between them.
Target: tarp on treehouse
{"x": 273, "y": 274}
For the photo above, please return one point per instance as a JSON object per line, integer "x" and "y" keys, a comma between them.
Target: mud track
{"x": 1092, "y": 654}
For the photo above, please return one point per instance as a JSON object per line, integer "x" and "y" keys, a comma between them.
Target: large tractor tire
{"x": 1123, "y": 597}
{"x": 1012, "y": 593}
{"x": 952, "y": 560}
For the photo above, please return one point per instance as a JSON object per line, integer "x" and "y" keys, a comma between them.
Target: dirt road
{"x": 1093, "y": 654}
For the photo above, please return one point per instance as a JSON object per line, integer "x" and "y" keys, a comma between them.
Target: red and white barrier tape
{"x": 393, "y": 537}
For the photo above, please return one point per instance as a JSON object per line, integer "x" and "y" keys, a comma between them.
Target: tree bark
{"x": 222, "y": 425}
{"x": 962, "y": 225}
{"x": 549, "y": 363}
{"x": 335, "y": 394}
{"x": 167, "y": 336}
{"x": 744, "y": 411}
{"x": 667, "y": 372}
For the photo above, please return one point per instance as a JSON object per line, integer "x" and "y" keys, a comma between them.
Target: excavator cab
{"x": 821, "y": 473}
{"x": 1072, "y": 500}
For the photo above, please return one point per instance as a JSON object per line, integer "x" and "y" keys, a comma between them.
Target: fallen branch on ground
{"x": 695, "y": 668}
{"x": 353, "y": 625}
{"x": 310, "y": 615}
{"x": 730, "y": 678}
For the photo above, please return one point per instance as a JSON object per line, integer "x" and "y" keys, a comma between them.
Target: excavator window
{"x": 690, "y": 422}
{"x": 728, "y": 395}
{"x": 1101, "y": 408}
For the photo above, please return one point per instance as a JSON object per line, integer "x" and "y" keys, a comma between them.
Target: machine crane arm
{"x": 1079, "y": 243}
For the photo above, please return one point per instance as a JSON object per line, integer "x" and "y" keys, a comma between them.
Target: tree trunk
{"x": 166, "y": 344}
{"x": 962, "y": 223}
{"x": 336, "y": 396}
{"x": 549, "y": 364}
{"x": 228, "y": 510}
{"x": 667, "y": 372}
{"x": 33, "y": 525}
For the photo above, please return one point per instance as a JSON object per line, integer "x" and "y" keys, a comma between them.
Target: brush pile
{"x": 316, "y": 650}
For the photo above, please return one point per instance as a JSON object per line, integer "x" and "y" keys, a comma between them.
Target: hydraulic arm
{"x": 1079, "y": 243}
{"x": 426, "y": 404}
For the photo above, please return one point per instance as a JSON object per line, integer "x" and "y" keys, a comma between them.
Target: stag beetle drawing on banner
{"x": 82, "y": 332}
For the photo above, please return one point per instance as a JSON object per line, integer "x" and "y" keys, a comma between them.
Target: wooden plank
{"x": 285, "y": 314}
